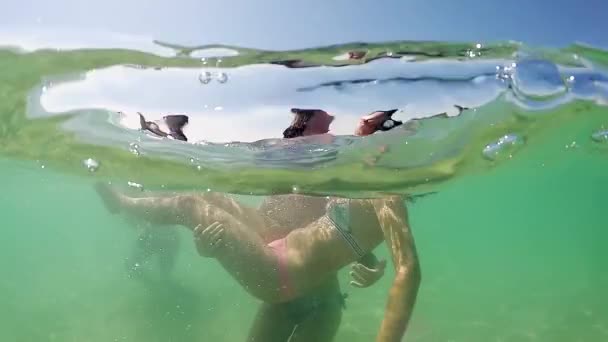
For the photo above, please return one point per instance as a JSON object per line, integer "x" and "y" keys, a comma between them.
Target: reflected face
{"x": 319, "y": 123}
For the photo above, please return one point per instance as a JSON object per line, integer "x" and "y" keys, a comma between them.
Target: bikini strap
{"x": 339, "y": 214}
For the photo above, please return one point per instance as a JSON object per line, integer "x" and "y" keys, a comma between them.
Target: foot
{"x": 208, "y": 240}
{"x": 109, "y": 197}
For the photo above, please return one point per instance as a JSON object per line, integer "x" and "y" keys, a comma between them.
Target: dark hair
{"x": 298, "y": 125}
{"x": 389, "y": 123}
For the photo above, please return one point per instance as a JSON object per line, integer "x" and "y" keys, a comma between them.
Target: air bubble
{"x": 505, "y": 73}
{"x": 198, "y": 167}
{"x": 222, "y": 77}
{"x": 295, "y": 189}
{"x": 502, "y": 147}
{"x": 91, "y": 164}
{"x": 136, "y": 186}
{"x": 47, "y": 86}
{"x": 134, "y": 149}
{"x": 478, "y": 46}
{"x": 538, "y": 79}
{"x": 204, "y": 61}
{"x": 205, "y": 77}
{"x": 192, "y": 160}
{"x": 600, "y": 136}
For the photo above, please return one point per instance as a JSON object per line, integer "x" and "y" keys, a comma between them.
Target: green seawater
{"x": 512, "y": 251}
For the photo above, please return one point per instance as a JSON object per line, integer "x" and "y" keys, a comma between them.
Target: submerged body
{"x": 308, "y": 255}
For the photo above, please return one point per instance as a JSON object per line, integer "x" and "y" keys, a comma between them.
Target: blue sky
{"x": 281, "y": 24}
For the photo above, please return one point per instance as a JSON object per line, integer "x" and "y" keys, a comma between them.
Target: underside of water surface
{"x": 510, "y": 140}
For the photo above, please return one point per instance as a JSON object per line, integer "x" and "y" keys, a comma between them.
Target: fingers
{"x": 201, "y": 231}
{"x": 215, "y": 246}
{"x": 367, "y": 272}
{"x": 355, "y": 284}
{"x": 358, "y": 278}
{"x": 364, "y": 277}
{"x": 217, "y": 234}
{"x": 208, "y": 239}
{"x": 212, "y": 230}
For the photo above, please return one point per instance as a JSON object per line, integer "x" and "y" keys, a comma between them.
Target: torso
{"x": 285, "y": 213}
{"x": 320, "y": 248}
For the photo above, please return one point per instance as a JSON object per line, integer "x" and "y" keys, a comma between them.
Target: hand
{"x": 372, "y": 160}
{"x": 208, "y": 239}
{"x": 365, "y": 277}
{"x": 383, "y": 149}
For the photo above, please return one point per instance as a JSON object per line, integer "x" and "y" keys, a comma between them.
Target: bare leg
{"x": 320, "y": 322}
{"x": 185, "y": 209}
{"x": 246, "y": 256}
{"x": 322, "y": 326}
{"x": 162, "y": 210}
{"x": 239, "y": 211}
{"x": 178, "y": 209}
{"x": 271, "y": 324}
{"x": 309, "y": 255}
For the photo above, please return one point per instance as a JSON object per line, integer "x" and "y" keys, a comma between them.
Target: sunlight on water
{"x": 508, "y": 141}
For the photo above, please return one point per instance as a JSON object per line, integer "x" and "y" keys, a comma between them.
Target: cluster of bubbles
{"x": 600, "y": 136}
{"x": 134, "y": 185}
{"x": 196, "y": 163}
{"x": 472, "y": 53}
{"x": 504, "y": 146}
{"x": 505, "y": 73}
{"x": 206, "y": 77}
{"x": 134, "y": 149}
{"x": 91, "y": 164}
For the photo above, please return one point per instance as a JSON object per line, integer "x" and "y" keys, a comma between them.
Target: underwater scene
{"x": 497, "y": 151}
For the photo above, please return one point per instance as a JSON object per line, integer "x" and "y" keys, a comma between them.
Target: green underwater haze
{"x": 511, "y": 249}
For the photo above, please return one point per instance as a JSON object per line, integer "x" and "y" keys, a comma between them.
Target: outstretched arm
{"x": 393, "y": 219}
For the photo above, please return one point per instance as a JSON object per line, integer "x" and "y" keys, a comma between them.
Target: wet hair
{"x": 298, "y": 125}
{"x": 389, "y": 123}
